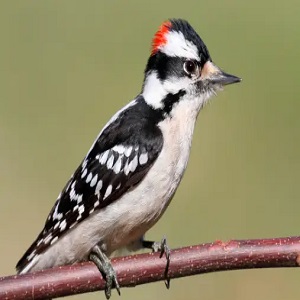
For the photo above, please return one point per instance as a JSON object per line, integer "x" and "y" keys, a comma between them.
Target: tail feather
{"x": 29, "y": 259}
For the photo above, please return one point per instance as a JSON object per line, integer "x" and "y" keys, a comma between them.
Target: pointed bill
{"x": 216, "y": 76}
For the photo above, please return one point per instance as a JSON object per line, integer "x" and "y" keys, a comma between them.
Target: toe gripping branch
{"x": 104, "y": 266}
{"x": 98, "y": 257}
{"x": 164, "y": 249}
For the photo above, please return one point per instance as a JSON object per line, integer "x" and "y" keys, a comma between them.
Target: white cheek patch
{"x": 177, "y": 45}
{"x": 154, "y": 91}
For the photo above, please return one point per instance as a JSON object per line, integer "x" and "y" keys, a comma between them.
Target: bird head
{"x": 180, "y": 67}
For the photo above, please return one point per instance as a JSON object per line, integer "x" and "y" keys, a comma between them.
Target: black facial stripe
{"x": 166, "y": 66}
{"x": 170, "y": 100}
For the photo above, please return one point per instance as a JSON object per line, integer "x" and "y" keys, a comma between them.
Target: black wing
{"x": 117, "y": 161}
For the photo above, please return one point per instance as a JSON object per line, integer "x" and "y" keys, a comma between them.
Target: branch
{"x": 144, "y": 268}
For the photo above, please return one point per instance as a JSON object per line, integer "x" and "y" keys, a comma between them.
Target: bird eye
{"x": 190, "y": 67}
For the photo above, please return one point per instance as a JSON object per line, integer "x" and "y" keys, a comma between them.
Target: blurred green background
{"x": 67, "y": 66}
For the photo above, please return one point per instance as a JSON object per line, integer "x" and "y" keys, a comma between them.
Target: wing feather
{"x": 118, "y": 160}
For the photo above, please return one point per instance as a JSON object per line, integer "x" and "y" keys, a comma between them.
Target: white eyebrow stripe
{"x": 177, "y": 45}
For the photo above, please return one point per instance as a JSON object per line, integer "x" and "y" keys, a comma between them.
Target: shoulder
{"x": 135, "y": 124}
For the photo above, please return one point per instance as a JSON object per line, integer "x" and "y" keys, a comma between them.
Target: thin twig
{"x": 145, "y": 268}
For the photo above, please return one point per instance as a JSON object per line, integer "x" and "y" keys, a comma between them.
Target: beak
{"x": 215, "y": 75}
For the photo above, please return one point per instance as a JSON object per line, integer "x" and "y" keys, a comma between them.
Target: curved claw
{"x": 111, "y": 280}
{"x": 104, "y": 266}
{"x": 163, "y": 248}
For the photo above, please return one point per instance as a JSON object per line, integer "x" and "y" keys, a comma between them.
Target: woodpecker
{"x": 130, "y": 174}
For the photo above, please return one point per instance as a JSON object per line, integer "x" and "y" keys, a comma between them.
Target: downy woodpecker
{"x": 130, "y": 174}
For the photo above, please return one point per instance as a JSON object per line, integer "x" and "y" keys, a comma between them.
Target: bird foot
{"x": 164, "y": 249}
{"x": 105, "y": 267}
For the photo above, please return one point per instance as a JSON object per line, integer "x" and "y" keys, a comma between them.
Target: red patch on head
{"x": 160, "y": 39}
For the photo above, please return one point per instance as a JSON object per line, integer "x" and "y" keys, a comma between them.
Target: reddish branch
{"x": 145, "y": 268}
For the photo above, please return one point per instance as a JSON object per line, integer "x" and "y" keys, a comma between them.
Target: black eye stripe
{"x": 167, "y": 66}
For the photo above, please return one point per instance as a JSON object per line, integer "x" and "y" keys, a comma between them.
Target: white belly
{"x": 128, "y": 218}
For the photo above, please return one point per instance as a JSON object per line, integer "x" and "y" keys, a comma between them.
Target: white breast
{"x": 134, "y": 213}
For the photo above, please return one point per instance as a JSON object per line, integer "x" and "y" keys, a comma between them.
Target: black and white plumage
{"x": 129, "y": 176}
{"x": 117, "y": 161}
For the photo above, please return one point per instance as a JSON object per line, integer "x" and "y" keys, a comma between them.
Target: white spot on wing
{"x": 108, "y": 191}
{"x": 127, "y": 167}
{"x": 96, "y": 203}
{"x": 89, "y": 178}
{"x": 118, "y": 165}
{"x": 79, "y": 199}
{"x": 81, "y": 209}
{"x": 98, "y": 188}
{"x": 119, "y": 148}
{"x": 40, "y": 241}
{"x": 72, "y": 194}
{"x": 84, "y": 164}
{"x": 128, "y": 151}
{"x": 84, "y": 173}
{"x": 48, "y": 238}
{"x": 110, "y": 162}
{"x": 55, "y": 226}
{"x": 94, "y": 180}
{"x": 31, "y": 255}
{"x": 63, "y": 225}
{"x": 104, "y": 157}
{"x": 143, "y": 158}
{"x": 54, "y": 240}
{"x": 133, "y": 164}
{"x": 56, "y": 215}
